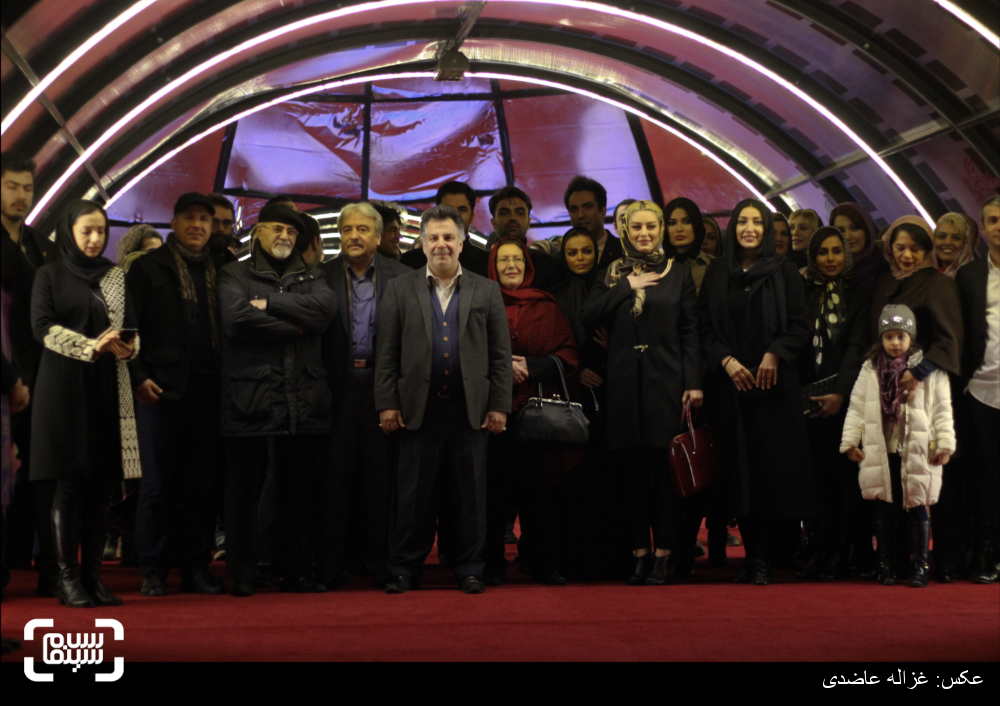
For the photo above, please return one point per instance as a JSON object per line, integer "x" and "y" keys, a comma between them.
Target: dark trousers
{"x": 515, "y": 477}
{"x": 896, "y": 518}
{"x": 358, "y": 469}
{"x": 649, "y": 498}
{"x": 298, "y": 460}
{"x": 175, "y": 521}
{"x": 445, "y": 435}
{"x": 984, "y": 469}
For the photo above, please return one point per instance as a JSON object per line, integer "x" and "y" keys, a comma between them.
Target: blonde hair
{"x": 637, "y": 206}
{"x": 810, "y": 215}
{"x": 955, "y": 219}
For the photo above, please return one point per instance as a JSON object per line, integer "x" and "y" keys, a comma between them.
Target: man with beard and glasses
{"x": 275, "y": 310}
{"x": 176, "y": 379}
{"x": 22, "y": 251}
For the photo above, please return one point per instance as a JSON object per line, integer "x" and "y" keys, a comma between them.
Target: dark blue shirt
{"x": 362, "y": 312}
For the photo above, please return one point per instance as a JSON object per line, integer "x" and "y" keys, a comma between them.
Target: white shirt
{"x": 985, "y": 383}
{"x": 443, "y": 291}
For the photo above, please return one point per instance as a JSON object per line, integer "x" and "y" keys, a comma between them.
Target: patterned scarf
{"x": 636, "y": 262}
{"x": 889, "y": 371}
{"x": 830, "y": 309}
{"x": 189, "y": 293}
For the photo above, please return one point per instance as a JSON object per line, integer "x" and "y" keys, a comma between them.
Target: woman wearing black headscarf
{"x": 649, "y": 305}
{"x": 861, "y": 235}
{"x": 83, "y": 426}
{"x": 752, "y": 314}
{"x": 838, "y": 321}
{"x": 685, "y": 235}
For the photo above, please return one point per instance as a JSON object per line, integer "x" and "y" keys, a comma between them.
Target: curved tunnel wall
{"x": 769, "y": 88}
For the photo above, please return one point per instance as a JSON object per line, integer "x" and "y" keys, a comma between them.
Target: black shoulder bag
{"x": 555, "y": 423}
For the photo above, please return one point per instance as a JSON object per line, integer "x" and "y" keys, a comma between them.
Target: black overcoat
{"x": 972, "y": 281}
{"x": 273, "y": 379}
{"x": 645, "y": 387}
{"x": 75, "y": 425}
{"x": 770, "y": 471}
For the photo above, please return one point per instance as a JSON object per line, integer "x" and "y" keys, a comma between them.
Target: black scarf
{"x": 694, "y": 213}
{"x": 90, "y": 269}
{"x": 189, "y": 293}
{"x": 572, "y": 292}
{"x": 829, "y": 303}
{"x": 764, "y": 280}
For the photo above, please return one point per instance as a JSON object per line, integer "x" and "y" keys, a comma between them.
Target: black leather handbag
{"x": 826, "y": 386}
{"x": 556, "y": 423}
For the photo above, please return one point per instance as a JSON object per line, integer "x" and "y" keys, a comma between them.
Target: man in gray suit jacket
{"x": 359, "y": 465}
{"x": 443, "y": 374}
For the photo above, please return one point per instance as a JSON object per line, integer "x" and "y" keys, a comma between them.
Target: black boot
{"x": 920, "y": 540}
{"x": 883, "y": 534}
{"x": 93, "y": 531}
{"x": 658, "y": 576}
{"x": 641, "y": 570}
{"x": 985, "y": 565}
{"x": 761, "y": 573}
{"x": 65, "y": 535}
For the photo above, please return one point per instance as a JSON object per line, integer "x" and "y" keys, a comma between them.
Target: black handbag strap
{"x": 562, "y": 377}
{"x": 686, "y": 418}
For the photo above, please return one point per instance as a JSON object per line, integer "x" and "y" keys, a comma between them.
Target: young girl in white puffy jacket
{"x": 901, "y": 434}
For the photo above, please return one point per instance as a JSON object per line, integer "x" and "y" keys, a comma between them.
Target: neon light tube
{"x": 385, "y": 4}
{"x": 58, "y": 71}
{"x": 970, "y": 21}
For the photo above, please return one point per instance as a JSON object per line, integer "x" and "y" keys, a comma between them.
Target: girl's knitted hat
{"x": 897, "y": 317}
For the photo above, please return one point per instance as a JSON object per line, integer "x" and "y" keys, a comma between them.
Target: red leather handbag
{"x": 695, "y": 458}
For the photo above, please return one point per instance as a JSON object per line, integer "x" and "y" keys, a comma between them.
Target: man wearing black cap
{"x": 274, "y": 309}
{"x": 176, "y": 378}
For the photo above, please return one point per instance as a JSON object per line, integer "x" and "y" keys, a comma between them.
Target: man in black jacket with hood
{"x": 176, "y": 380}
{"x": 275, "y": 309}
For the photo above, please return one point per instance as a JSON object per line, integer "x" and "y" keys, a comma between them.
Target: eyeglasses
{"x": 279, "y": 229}
{"x": 508, "y": 260}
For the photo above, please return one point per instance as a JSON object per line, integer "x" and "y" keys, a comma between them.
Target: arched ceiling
{"x": 896, "y": 103}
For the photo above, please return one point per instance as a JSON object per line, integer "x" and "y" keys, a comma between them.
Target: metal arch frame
{"x": 804, "y": 159}
{"x": 913, "y": 75}
{"x": 204, "y": 124}
{"x": 817, "y": 91}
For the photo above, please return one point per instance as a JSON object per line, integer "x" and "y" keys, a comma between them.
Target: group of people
{"x": 378, "y": 397}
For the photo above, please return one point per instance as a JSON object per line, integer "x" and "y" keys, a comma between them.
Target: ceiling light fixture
{"x": 385, "y": 4}
{"x": 971, "y": 21}
{"x": 58, "y": 71}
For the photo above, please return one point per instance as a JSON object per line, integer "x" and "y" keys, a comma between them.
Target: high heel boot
{"x": 93, "y": 531}
{"x": 65, "y": 535}
{"x": 920, "y": 540}
{"x": 658, "y": 576}
{"x": 641, "y": 570}
{"x": 883, "y": 539}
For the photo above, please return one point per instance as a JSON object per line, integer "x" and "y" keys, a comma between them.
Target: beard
{"x": 280, "y": 251}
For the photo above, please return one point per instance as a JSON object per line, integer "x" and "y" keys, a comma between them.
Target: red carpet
{"x": 705, "y": 620}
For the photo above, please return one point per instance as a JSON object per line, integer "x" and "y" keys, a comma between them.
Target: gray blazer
{"x": 403, "y": 348}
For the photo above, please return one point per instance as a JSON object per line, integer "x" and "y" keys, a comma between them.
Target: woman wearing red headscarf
{"x": 517, "y": 473}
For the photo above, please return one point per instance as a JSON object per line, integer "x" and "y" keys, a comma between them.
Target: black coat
{"x": 644, "y": 390}
{"x": 770, "y": 472}
{"x": 154, "y": 287}
{"x": 273, "y": 379}
{"x": 612, "y": 251}
{"x": 845, "y": 357}
{"x": 936, "y": 303}
{"x": 337, "y": 354}
{"x": 972, "y": 280}
{"x": 20, "y": 263}
{"x": 75, "y": 429}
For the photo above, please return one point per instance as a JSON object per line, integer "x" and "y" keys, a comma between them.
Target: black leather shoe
{"x": 495, "y": 578}
{"x": 988, "y": 575}
{"x": 153, "y": 586}
{"x": 658, "y": 576}
{"x": 761, "y": 573}
{"x": 301, "y": 585}
{"x": 641, "y": 571}
{"x": 102, "y": 597}
{"x": 243, "y": 588}
{"x": 473, "y": 585}
{"x": 399, "y": 584}
{"x": 202, "y": 582}
{"x": 551, "y": 577}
